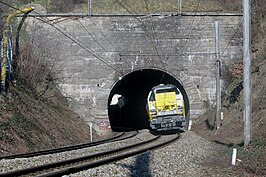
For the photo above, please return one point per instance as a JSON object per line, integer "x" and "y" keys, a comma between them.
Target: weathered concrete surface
{"x": 183, "y": 46}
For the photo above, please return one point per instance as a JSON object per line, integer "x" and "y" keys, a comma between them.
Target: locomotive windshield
{"x": 152, "y": 97}
{"x": 167, "y": 90}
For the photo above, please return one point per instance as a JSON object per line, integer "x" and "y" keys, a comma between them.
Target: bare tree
{"x": 37, "y": 64}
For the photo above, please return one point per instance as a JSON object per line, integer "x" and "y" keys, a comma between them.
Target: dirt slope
{"x": 252, "y": 159}
{"x": 29, "y": 123}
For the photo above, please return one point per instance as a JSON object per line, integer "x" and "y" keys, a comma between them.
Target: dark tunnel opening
{"x": 129, "y": 113}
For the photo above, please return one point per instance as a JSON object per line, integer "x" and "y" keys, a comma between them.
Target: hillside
{"x": 33, "y": 113}
{"x": 29, "y": 123}
{"x": 252, "y": 159}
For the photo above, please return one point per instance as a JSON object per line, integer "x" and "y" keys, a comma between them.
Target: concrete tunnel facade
{"x": 178, "y": 53}
{"x": 130, "y": 111}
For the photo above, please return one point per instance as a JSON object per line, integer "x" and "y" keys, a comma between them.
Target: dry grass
{"x": 253, "y": 157}
{"x": 141, "y": 6}
{"x": 33, "y": 113}
{"x": 28, "y": 124}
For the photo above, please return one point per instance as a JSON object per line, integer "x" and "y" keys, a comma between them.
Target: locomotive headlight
{"x": 152, "y": 111}
{"x": 175, "y": 110}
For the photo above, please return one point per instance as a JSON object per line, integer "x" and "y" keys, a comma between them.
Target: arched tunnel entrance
{"x": 129, "y": 111}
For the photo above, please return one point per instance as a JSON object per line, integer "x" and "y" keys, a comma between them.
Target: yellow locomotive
{"x": 165, "y": 107}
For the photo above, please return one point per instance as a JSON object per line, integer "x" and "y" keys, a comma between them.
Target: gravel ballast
{"x": 181, "y": 158}
{"x": 19, "y": 163}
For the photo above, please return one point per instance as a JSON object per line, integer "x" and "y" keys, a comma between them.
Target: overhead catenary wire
{"x": 101, "y": 32}
{"x": 190, "y": 27}
{"x": 229, "y": 43}
{"x": 237, "y": 30}
{"x": 186, "y": 41}
{"x": 69, "y": 37}
{"x": 222, "y": 53}
{"x": 75, "y": 40}
{"x": 85, "y": 28}
{"x": 131, "y": 11}
{"x": 221, "y": 56}
{"x": 155, "y": 36}
{"x": 184, "y": 47}
{"x": 152, "y": 27}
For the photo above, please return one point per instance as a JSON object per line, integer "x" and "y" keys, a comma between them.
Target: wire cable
{"x": 184, "y": 47}
{"x": 100, "y": 31}
{"x": 191, "y": 27}
{"x": 237, "y": 30}
{"x": 69, "y": 37}
{"x": 221, "y": 56}
{"x": 145, "y": 29}
{"x": 81, "y": 45}
{"x": 155, "y": 36}
{"x": 84, "y": 27}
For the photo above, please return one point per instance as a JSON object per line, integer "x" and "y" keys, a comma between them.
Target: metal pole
{"x": 4, "y": 61}
{"x": 2, "y": 49}
{"x": 10, "y": 53}
{"x": 218, "y": 76}
{"x": 89, "y": 7}
{"x": 179, "y": 7}
{"x": 1, "y": 59}
{"x": 247, "y": 68}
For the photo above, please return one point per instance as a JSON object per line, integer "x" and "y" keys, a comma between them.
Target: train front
{"x": 165, "y": 107}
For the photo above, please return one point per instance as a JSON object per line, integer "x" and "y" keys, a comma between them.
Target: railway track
{"x": 118, "y": 137}
{"x": 78, "y": 164}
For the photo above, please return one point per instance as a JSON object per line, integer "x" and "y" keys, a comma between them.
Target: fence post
{"x": 179, "y": 7}
{"x": 89, "y": 7}
{"x": 90, "y": 125}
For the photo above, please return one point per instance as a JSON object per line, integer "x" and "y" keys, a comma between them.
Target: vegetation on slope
{"x": 252, "y": 159}
{"x": 29, "y": 123}
{"x": 33, "y": 113}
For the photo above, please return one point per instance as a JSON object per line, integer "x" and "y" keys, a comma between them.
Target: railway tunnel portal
{"x": 151, "y": 50}
{"x": 130, "y": 111}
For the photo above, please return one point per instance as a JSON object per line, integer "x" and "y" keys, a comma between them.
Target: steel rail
{"x": 70, "y": 166}
{"x": 118, "y": 137}
{"x": 107, "y": 160}
{"x": 71, "y": 163}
